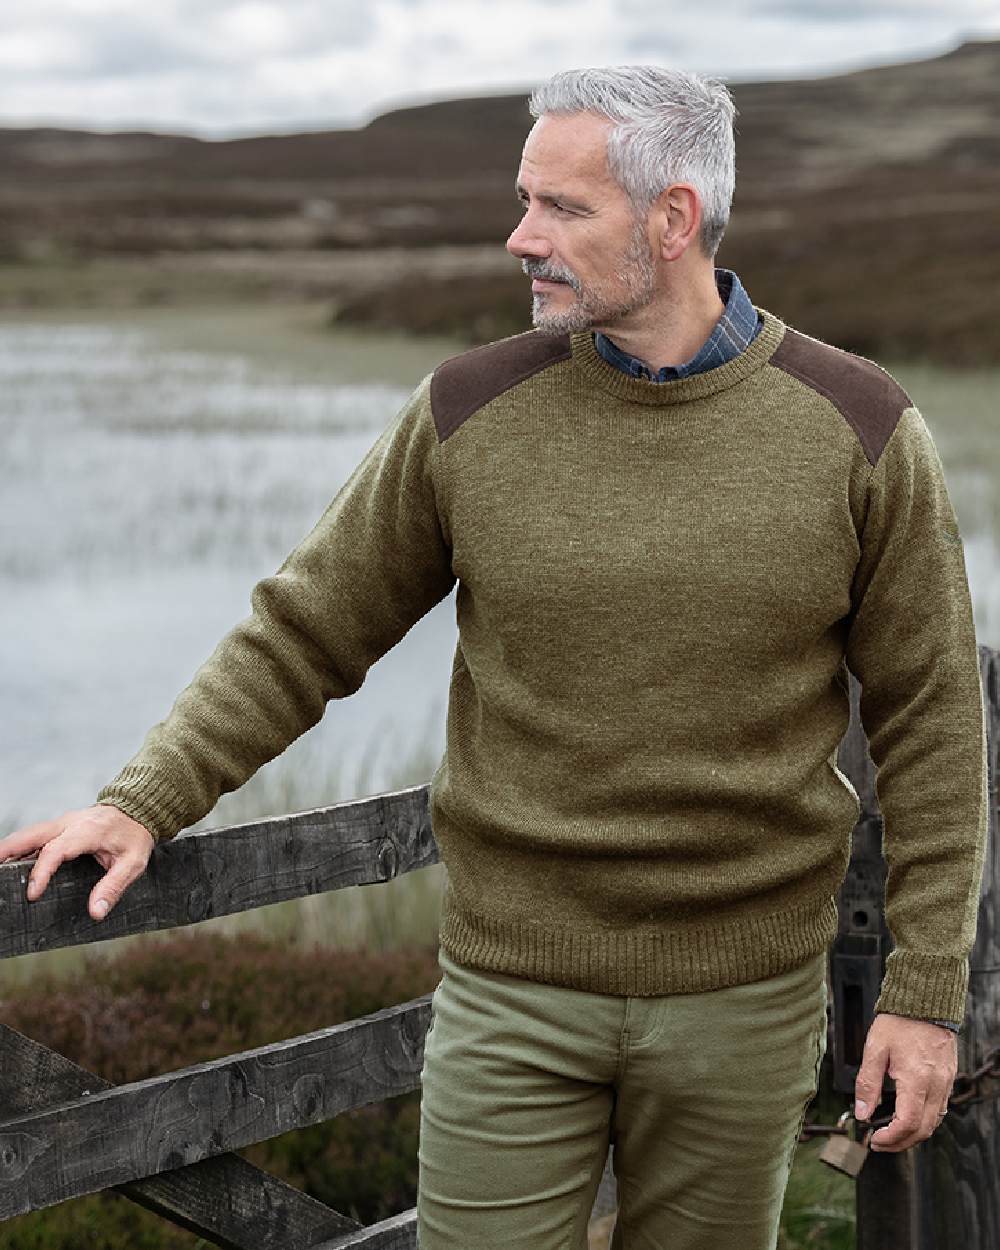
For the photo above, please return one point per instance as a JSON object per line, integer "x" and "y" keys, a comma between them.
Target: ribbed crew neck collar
{"x": 678, "y": 390}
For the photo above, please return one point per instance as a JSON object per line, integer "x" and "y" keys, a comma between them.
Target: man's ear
{"x": 677, "y": 216}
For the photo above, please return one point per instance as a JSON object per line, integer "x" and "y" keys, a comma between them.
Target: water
{"x": 155, "y": 467}
{"x": 147, "y": 486}
{"x": 964, "y": 418}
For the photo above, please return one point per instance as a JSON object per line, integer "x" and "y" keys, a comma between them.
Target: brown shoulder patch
{"x": 464, "y": 384}
{"x": 868, "y": 399}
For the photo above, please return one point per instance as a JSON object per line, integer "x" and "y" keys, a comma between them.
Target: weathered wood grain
{"x": 147, "y": 1127}
{"x": 226, "y": 1199}
{"x": 197, "y": 876}
{"x": 885, "y": 1197}
{"x": 398, "y": 1232}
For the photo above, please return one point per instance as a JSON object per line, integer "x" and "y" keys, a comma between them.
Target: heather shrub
{"x": 188, "y": 997}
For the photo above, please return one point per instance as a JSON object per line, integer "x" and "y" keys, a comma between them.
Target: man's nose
{"x": 525, "y": 240}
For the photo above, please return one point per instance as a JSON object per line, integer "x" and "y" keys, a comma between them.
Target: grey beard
{"x": 561, "y": 321}
{"x": 586, "y": 311}
{"x": 636, "y": 274}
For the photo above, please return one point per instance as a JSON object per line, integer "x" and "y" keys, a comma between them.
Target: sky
{"x": 225, "y": 67}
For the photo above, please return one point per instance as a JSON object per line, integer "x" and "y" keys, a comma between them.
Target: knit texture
{"x": 659, "y": 586}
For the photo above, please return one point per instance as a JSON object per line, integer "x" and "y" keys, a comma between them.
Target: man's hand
{"x": 922, "y": 1059}
{"x": 119, "y": 844}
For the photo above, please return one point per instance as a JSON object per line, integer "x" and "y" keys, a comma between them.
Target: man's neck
{"x": 671, "y": 329}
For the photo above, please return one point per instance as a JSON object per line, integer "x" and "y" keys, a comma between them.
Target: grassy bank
{"x": 875, "y": 301}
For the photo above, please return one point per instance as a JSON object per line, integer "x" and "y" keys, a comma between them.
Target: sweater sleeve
{"x": 375, "y": 562}
{"x": 911, "y": 643}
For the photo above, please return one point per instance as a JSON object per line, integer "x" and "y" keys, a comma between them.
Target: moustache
{"x": 551, "y": 273}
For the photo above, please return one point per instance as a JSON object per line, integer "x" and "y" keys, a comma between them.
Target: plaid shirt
{"x": 734, "y": 331}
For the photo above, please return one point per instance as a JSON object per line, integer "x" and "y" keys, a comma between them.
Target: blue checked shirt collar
{"x": 733, "y": 333}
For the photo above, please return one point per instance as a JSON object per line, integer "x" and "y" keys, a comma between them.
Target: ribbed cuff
{"x": 926, "y": 987}
{"x": 148, "y": 799}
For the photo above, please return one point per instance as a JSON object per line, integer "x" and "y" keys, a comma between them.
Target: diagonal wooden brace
{"x": 143, "y": 1128}
{"x": 224, "y": 1199}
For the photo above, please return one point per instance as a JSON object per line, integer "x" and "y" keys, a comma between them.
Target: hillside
{"x": 867, "y": 208}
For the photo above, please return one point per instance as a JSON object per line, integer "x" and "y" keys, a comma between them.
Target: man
{"x": 673, "y": 521}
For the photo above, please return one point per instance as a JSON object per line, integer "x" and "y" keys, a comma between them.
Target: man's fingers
{"x": 871, "y": 1074}
{"x": 930, "y": 1119}
{"x": 904, "y": 1129}
{"x": 52, "y": 854}
{"x": 117, "y": 841}
{"x": 23, "y": 842}
{"x": 109, "y": 890}
{"x": 922, "y": 1058}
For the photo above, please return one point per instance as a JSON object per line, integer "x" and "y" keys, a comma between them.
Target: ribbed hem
{"x": 148, "y": 799}
{"x": 678, "y": 390}
{"x": 926, "y": 987}
{"x": 645, "y": 963}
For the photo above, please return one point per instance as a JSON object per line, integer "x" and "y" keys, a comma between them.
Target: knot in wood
{"x": 307, "y": 1096}
{"x": 387, "y": 860}
{"x": 17, "y": 1151}
{"x": 423, "y": 835}
{"x": 412, "y": 1032}
{"x": 199, "y": 903}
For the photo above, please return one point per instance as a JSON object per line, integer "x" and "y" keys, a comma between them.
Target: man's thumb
{"x": 868, "y": 1084}
{"x": 108, "y": 891}
{"x": 100, "y": 905}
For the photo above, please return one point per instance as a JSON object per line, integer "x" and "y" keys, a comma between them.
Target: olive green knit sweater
{"x": 658, "y": 585}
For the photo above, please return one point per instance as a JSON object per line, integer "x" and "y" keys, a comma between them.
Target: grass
{"x": 818, "y": 1212}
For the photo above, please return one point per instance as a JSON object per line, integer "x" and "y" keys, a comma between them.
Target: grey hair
{"x": 670, "y": 126}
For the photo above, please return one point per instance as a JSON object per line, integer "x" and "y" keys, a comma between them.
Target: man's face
{"x": 579, "y": 240}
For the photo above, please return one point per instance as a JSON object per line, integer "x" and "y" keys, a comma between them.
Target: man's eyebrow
{"x": 549, "y": 197}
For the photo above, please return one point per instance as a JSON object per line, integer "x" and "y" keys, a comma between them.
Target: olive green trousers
{"x": 702, "y": 1095}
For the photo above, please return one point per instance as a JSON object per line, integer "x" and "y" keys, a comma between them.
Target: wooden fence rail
{"x": 146, "y": 1127}
{"x": 166, "y": 1142}
{"x": 217, "y": 872}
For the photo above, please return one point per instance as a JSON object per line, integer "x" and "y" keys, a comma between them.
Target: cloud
{"x": 868, "y": 11}
{"x": 117, "y": 41}
{"x": 230, "y": 66}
